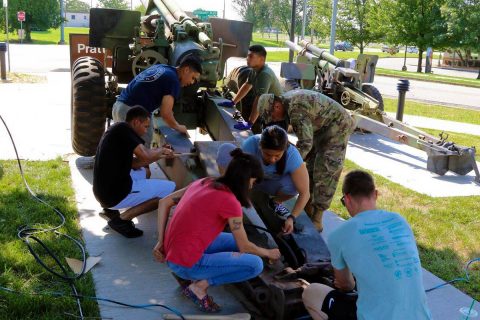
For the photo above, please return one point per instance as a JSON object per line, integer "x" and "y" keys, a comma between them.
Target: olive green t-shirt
{"x": 264, "y": 81}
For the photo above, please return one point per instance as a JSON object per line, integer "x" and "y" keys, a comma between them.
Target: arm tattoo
{"x": 236, "y": 225}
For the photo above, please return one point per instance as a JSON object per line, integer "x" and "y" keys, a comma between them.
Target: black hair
{"x": 258, "y": 49}
{"x": 275, "y": 138}
{"x": 193, "y": 63}
{"x": 358, "y": 183}
{"x": 241, "y": 168}
{"x": 137, "y": 112}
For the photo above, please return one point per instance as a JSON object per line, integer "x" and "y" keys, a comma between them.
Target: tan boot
{"x": 317, "y": 219}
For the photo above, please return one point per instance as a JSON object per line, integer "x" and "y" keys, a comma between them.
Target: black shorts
{"x": 339, "y": 305}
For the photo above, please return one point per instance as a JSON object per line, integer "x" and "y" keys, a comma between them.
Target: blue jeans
{"x": 221, "y": 263}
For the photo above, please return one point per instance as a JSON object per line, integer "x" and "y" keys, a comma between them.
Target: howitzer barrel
{"x": 298, "y": 48}
{"x": 323, "y": 54}
{"x": 165, "y": 12}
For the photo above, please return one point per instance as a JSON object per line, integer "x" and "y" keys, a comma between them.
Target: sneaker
{"x": 280, "y": 210}
{"x": 109, "y": 214}
{"x": 125, "y": 227}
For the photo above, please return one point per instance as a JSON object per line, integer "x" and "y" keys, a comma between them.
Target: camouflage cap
{"x": 264, "y": 107}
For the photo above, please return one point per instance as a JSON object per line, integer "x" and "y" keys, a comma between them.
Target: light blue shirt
{"x": 293, "y": 162}
{"x": 380, "y": 250}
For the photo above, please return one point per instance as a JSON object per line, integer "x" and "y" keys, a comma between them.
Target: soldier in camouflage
{"x": 323, "y": 128}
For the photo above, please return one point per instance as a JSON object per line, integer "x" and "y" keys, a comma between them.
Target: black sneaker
{"x": 280, "y": 210}
{"x": 125, "y": 227}
{"x": 109, "y": 214}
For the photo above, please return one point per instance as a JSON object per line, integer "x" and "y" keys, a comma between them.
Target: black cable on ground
{"x": 27, "y": 233}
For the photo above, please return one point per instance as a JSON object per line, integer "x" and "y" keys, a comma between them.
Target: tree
{"x": 353, "y": 22}
{"x": 39, "y": 15}
{"x": 77, "y": 6}
{"x": 411, "y": 22}
{"x": 462, "y": 20}
{"x": 114, "y": 4}
{"x": 321, "y": 17}
{"x": 141, "y": 8}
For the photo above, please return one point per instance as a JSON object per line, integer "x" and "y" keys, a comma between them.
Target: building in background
{"x": 77, "y": 19}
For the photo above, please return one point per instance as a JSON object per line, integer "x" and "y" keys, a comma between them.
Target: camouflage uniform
{"x": 323, "y": 128}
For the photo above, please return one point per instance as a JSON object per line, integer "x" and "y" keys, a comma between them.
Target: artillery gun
{"x": 350, "y": 84}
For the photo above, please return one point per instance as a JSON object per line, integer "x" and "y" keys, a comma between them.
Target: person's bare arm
{"x": 301, "y": 182}
{"x": 166, "y": 112}
{"x": 145, "y": 156}
{"x": 254, "y": 113}
{"x": 164, "y": 206}
{"x": 245, "y": 246}
{"x": 344, "y": 279}
{"x": 242, "y": 92}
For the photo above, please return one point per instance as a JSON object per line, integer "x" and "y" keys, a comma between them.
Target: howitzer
{"x": 316, "y": 69}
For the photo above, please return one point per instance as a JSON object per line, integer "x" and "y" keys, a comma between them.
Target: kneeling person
{"x": 378, "y": 248}
{"x": 119, "y": 174}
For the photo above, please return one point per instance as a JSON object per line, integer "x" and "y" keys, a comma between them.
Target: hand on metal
{"x": 243, "y": 125}
{"x": 227, "y": 103}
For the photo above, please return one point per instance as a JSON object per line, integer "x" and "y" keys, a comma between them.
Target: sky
{"x": 190, "y": 5}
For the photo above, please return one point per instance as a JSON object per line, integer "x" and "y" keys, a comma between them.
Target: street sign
{"x": 5, "y": 3}
{"x": 21, "y": 16}
{"x": 204, "y": 15}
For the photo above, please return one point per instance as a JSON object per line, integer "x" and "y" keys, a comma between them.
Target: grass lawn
{"x": 434, "y": 111}
{"x": 446, "y": 229}
{"x": 51, "y": 36}
{"x": 466, "y": 140}
{"x": 428, "y": 77}
{"x": 51, "y": 181}
{"x": 25, "y": 78}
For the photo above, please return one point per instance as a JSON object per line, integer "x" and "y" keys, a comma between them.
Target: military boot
{"x": 316, "y": 217}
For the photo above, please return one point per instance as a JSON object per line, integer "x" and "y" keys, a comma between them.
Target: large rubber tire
{"x": 88, "y": 105}
{"x": 373, "y": 92}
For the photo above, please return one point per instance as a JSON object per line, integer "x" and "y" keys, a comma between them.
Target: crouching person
{"x": 194, "y": 246}
{"x": 378, "y": 248}
{"x": 120, "y": 177}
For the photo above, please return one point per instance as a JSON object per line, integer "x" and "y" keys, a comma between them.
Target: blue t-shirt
{"x": 380, "y": 250}
{"x": 150, "y": 86}
{"x": 293, "y": 162}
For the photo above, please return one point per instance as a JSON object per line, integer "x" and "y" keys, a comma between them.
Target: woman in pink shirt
{"x": 194, "y": 246}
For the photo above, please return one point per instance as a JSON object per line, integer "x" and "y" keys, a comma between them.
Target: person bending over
{"x": 194, "y": 246}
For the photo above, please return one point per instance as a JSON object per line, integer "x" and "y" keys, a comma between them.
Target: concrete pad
{"x": 429, "y": 123}
{"x": 444, "y": 303}
{"x": 407, "y": 166}
{"x": 128, "y": 272}
{"x": 38, "y": 116}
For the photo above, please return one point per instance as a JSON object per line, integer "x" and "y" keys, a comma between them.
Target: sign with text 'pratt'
{"x": 21, "y": 16}
{"x": 79, "y": 48}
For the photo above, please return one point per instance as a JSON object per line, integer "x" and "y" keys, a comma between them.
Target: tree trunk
{"x": 478, "y": 76}
{"x": 28, "y": 36}
{"x": 420, "y": 60}
{"x": 361, "y": 48}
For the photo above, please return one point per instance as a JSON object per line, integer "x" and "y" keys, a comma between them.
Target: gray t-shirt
{"x": 264, "y": 81}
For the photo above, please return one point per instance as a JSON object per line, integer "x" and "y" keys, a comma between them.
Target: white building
{"x": 76, "y": 19}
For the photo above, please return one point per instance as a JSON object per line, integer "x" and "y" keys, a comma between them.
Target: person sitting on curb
{"x": 158, "y": 87}
{"x": 378, "y": 248}
{"x": 194, "y": 246}
{"x": 119, "y": 174}
{"x": 285, "y": 173}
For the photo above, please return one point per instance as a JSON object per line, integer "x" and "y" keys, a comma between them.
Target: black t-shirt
{"x": 113, "y": 162}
